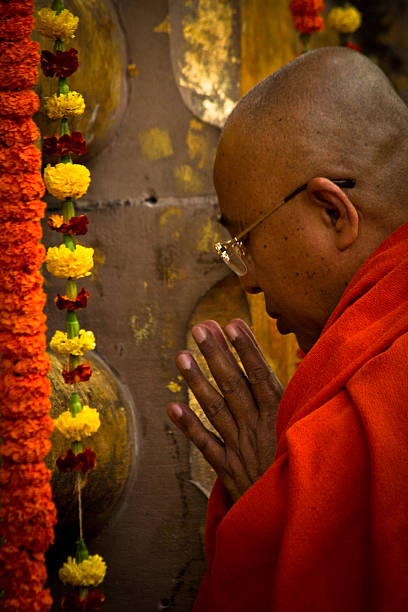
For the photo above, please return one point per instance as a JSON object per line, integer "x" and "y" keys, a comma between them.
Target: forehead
{"x": 241, "y": 183}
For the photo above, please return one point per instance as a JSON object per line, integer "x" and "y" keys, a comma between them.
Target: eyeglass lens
{"x": 231, "y": 256}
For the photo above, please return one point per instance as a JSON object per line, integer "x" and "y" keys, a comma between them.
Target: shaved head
{"x": 330, "y": 113}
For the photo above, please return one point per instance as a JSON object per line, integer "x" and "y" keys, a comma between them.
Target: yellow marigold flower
{"x": 64, "y": 263}
{"x": 89, "y": 572}
{"x": 51, "y": 25}
{"x": 344, "y": 20}
{"x": 85, "y": 341}
{"x": 85, "y": 423}
{"x": 67, "y": 180}
{"x": 64, "y": 105}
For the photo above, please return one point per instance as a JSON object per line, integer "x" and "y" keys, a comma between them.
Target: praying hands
{"x": 243, "y": 412}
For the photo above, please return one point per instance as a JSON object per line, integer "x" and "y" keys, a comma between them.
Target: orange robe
{"x": 325, "y": 529}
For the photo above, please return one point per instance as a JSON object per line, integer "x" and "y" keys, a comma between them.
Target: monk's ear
{"x": 337, "y": 211}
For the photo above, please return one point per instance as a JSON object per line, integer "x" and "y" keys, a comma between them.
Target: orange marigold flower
{"x": 31, "y": 495}
{"x": 17, "y": 131}
{"x": 17, "y": 476}
{"x": 16, "y": 159}
{"x": 353, "y": 46}
{"x": 33, "y": 405}
{"x": 14, "y": 281}
{"x": 21, "y": 345}
{"x": 11, "y": 52}
{"x": 16, "y": 27}
{"x": 20, "y": 231}
{"x": 22, "y": 211}
{"x": 81, "y": 373}
{"x": 16, "y": 7}
{"x": 22, "y": 429}
{"x": 19, "y": 497}
{"x": 63, "y": 302}
{"x": 77, "y": 226}
{"x": 37, "y": 365}
{"x": 18, "y": 76}
{"x": 27, "y": 451}
{"x": 23, "y": 575}
{"x": 21, "y": 323}
{"x": 15, "y": 388}
{"x": 306, "y": 6}
{"x": 18, "y": 103}
{"x": 26, "y": 257}
{"x": 31, "y": 529}
{"x": 25, "y": 302}
{"x": 308, "y": 24}
{"x": 24, "y": 186}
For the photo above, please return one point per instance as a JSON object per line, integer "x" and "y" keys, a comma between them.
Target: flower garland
{"x": 27, "y": 513}
{"x": 307, "y": 18}
{"x": 66, "y": 180}
{"x": 345, "y": 20}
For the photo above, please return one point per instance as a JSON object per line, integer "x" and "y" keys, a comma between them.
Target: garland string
{"x": 67, "y": 181}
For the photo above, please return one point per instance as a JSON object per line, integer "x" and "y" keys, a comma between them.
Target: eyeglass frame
{"x": 236, "y": 241}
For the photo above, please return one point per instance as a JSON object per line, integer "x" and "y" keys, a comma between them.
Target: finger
{"x": 207, "y": 443}
{"x": 265, "y": 385}
{"x": 228, "y": 375}
{"x": 212, "y": 403}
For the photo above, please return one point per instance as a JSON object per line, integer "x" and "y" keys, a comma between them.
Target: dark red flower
{"x": 63, "y": 302}
{"x": 61, "y": 64}
{"x": 63, "y": 145}
{"x": 78, "y": 226}
{"x": 351, "y": 45}
{"x": 85, "y": 461}
{"x": 81, "y": 373}
{"x": 50, "y": 145}
{"x": 48, "y": 63}
{"x": 91, "y": 603}
{"x": 77, "y": 144}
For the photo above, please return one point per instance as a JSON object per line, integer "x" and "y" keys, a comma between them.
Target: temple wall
{"x": 159, "y": 79}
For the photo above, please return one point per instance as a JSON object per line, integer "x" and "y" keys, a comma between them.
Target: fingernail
{"x": 199, "y": 334}
{"x": 231, "y": 332}
{"x": 184, "y": 361}
{"x": 177, "y": 411}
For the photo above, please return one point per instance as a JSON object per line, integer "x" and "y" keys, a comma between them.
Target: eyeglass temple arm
{"x": 343, "y": 183}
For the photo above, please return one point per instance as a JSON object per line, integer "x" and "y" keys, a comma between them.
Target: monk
{"x": 312, "y": 179}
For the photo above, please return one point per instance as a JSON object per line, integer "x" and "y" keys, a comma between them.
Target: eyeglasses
{"x": 232, "y": 252}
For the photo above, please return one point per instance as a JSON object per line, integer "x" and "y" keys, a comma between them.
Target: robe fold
{"x": 325, "y": 529}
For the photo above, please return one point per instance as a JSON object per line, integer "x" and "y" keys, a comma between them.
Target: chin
{"x": 305, "y": 343}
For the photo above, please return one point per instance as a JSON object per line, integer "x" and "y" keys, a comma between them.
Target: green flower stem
{"x": 64, "y": 127}
{"x": 72, "y": 324}
{"x": 75, "y": 405}
{"x": 83, "y": 592}
{"x": 68, "y": 210}
{"x": 74, "y": 361}
{"x": 58, "y": 6}
{"x": 68, "y": 241}
{"x": 81, "y": 551}
{"x": 63, "y": 87}
{"x": 71, "y": 289}
{"x": 77, "y": 447}
{"x": 59, "y": 45}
